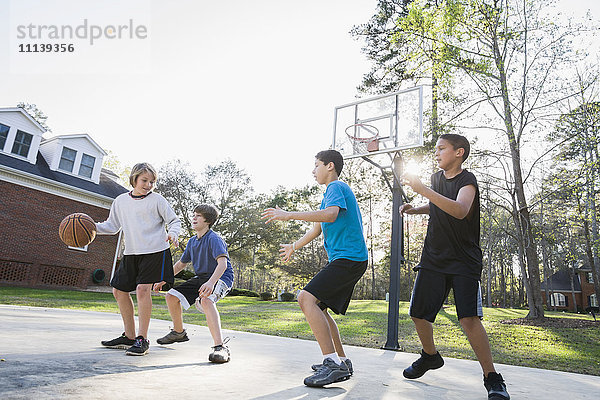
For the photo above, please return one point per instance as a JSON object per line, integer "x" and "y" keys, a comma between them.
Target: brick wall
{"x": 32, "y": 254}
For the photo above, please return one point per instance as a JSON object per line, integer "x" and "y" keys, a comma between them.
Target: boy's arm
{"x": 287, "y": 250}
{"x": 409, "y": 209}
{"x": 328, "y": 214}
{"x": 458, "y": 208}
{"x": 112, "y": 225}
{"x": 207, "y": 288}
{"x": 176, "y": 269}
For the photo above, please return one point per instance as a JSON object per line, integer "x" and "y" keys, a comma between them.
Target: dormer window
{"x": 87, "y": 165}
{"x": 3, "y": 135}
{"x": 22, "y": 143}
{"x": 67, "y": 159}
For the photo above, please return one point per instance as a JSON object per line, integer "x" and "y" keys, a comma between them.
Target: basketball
{"x": 77, "y": 230}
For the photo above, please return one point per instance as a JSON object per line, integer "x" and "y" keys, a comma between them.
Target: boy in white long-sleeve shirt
{"x": 143, "y": 216}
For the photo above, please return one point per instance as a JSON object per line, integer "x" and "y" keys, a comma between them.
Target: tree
{"x": 515, "y": 59}
{"x": 37, "y": 114}
{"x": 579, "y": 131}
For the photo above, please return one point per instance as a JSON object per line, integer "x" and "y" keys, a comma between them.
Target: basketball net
{"x": 362, "y": 145}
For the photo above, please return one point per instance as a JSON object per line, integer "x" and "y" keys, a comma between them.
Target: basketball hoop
{"x": 361, "y": 145}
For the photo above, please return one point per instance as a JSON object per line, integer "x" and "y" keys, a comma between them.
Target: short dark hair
{"x": 333, "y": 156}
{"x": 458, "y": 142}
{"x": 208, "y": 212}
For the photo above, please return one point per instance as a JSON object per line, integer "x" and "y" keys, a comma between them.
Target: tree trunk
{"x": 534, "y": 296}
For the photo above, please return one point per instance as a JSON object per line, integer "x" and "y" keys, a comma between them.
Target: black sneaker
{"x": 315, "y": 367}
{"x": 329, "y": 372}
{"x": 496, "y": 387}
{"x": 423, "y": 364}
{"x": 122, "y": 342}
{"x": 139, "y": 348}
{"x": 173, "y": 337}
{"x": 220, "y": 354}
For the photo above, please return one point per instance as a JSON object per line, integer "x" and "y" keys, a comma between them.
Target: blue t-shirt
{"x": 203, "y": 253}
{"x": 344, "y": 237}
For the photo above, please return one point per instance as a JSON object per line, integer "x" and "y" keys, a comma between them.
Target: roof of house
{"x": 76, "y": 136}
{"x": 106, "y": 187}
{"x": 560, "y": 282}
{"x": 26, "y": 114}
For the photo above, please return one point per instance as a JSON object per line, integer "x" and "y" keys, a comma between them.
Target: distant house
{"x": 559, "y": 287}
{"x": 42, "y": 181}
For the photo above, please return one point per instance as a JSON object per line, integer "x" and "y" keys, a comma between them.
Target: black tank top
{"x": 452, "y": 245}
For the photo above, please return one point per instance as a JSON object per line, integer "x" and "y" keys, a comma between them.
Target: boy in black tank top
{"x": 451, "y": 258}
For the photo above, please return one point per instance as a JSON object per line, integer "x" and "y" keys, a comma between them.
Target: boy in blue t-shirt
{"x": 340, "y": 221}
{"x": 207, "y": 252}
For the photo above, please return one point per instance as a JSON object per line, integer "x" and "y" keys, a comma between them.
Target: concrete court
{"x": 56, "y": 354}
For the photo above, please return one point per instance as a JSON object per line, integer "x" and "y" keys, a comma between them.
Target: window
{"x": 22, "y": 143}
{"x": 593, "y": 301}
{"x": 558, "y": 300}
{"x": 87, "y": 166}
{"x": 590, "y": 277}
{"x": 3, "y": 135}
{"x": 67, "y": 159}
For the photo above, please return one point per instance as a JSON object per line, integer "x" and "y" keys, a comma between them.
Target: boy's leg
{"x": 144, "y": 300}
{"x": 213, "y": 320}
{"x": 126, "y": 310}
{"x": 335, "y": 334}
{"x": 425, "y": 331}
{"x": 317, "y": 321}
{"x": 479, "y": 342}
{"x": 176, "y": 312}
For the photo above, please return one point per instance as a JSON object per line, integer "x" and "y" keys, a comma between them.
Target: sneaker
{"x": 220, "y": 354}
{"x": 329, "y": 372}
{"x": 423, "y": 364}
{"x": 496, "y": 387}
{"x": 122, "y": 342}
{"x": 315, "y": 367}
{"x": 173, "y": 337}
{"x": 139, "y": 348}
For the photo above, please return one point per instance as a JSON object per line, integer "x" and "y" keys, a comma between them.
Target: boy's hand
{"x": 206, "y": 289}
{"x": 286, "y": 251}
{"x": 275, "y": 214}
{"x": 407, "y": 209}
{"x": 414, "y": 182}
{"x": 158, "y": 285}
{"x": 173, "y": 239}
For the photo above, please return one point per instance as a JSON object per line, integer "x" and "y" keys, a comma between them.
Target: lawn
{"x": 565, "y": 342}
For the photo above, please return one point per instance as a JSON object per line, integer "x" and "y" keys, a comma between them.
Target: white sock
{"x": 343, "y": 358}
{"x": 334, "y": 357}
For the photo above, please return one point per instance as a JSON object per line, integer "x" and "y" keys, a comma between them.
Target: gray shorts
{"x": 187, "y": 292}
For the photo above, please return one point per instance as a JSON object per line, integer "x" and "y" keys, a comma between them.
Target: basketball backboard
{"x": 378, "y": 125}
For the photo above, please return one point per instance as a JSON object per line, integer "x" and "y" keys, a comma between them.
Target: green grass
{"x": 564, "y": 349}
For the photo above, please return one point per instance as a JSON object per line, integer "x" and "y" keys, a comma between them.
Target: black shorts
{"x": 432, "y": 288}
{"x": 187, "y": 292}
{"x": 143, "y": 268}
{"x": 334, "y": 284}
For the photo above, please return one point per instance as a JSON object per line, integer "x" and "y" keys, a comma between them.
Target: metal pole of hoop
{"x": 397, "y": 259}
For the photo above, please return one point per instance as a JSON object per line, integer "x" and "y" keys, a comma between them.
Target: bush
{"x": 287, "y": 296}
{"x": 243, "y": 292}
{"x": 266, "y": 296}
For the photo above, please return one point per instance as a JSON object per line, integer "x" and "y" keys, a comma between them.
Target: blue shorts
{"x": 432, "y": 288}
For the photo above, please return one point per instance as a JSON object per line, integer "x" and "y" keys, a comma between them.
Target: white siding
{"x": 48, "y": 151}
{"x": 52, "y": 151}
{"x": 17, "y": 121}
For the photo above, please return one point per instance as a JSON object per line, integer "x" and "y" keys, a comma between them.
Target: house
{"x": 42, "y": 181}
{"x": 561, "y": 295}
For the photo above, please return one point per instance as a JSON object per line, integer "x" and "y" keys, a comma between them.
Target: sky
{"x": 253, "y": 81}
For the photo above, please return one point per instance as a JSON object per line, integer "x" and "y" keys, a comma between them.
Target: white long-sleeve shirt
{"x": 143, "y": 221}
